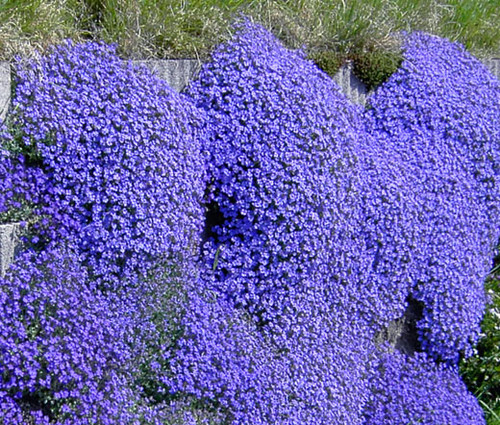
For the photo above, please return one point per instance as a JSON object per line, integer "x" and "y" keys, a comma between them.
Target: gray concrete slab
{"x": 9, "y": 244}
{"x": 494, "y": 66}
{"x": 402, "y": 334}
{"x": 176, "y": 72}
{"x": 350, "y": 85}
{"x": 5, "y": 82}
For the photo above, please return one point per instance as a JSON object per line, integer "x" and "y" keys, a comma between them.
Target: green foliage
{"x": 179, "y": 28}
{"x": 376, "y": 66}
{"x": 482, "y": 371}
{"x": 327, "y": 60}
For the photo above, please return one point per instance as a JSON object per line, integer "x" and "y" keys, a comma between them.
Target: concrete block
{"x": 401, "y": 333}
{"x": 176, "y": 72}
{"x": 350, "y": 85}
{"x": 4, "y": 89}
{"x": 494, "y": 66}
{"x": 9, "y": 245}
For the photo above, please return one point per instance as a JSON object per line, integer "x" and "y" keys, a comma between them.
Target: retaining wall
{"x": 9, "y": 245}
{"x": 178, "y": 73}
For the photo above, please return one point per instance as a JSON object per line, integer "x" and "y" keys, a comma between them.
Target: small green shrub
{"x": 327, "y": 60}
{"x": 375, "y": 66}
{"x": 482, "y": 371}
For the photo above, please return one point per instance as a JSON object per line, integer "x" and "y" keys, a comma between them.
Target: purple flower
{"x": 121, "y": 153}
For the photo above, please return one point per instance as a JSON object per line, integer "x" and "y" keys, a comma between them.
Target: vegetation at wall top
{"x": 331, "y": 31}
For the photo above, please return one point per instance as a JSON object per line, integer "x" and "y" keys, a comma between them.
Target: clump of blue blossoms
{"x": 12, "y": 175}
{"x": 439, "y": 116}
{"x": 121, "y": 152}
{"x": 20, "y": 182}
{"x": 287, "y": 230}
{"x": 413, "y": 390}
{"x": 231, "y": 366}
{"x": 62, "y": 346}
{"x": 321, "y": 222}
{"x": 284, "y": 184}
{"x": 283, "y": 241}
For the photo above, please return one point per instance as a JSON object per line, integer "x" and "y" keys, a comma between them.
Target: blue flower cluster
{"x": 282, "y": 234}
{"x": 414, "y": 390}
{"x": 438, "y": 116}
{"x": 61, "y": 345}
{"x": 20, "y": 183}
{"x": 284, "y": 184}
{"x": 227, "y": 256}
{"x": 12, "y": 175}
{"x": 229, "y": 363}
{"x": 121, "y": 152}
{"x": 119, "y": 176}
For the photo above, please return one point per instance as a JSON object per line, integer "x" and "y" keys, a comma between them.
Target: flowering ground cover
{"x": 228, "y": 255}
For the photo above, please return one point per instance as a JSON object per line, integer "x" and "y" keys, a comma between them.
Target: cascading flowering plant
{"x": 121, "y": 154}
{"x": 321, "y": 222}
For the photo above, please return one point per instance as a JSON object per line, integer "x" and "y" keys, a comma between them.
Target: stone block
{"x": 494, "y": 66}
{"x": 402, "y": 333}
{"x": 350, "y": 85}
{"x": 5, "y": 82}
{"x": 176, "y": 72}
{"x": 9, "y": 244}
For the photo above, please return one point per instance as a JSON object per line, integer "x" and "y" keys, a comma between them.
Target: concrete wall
{"x": 178, "y": 73}
{"x": 350, "y": 85}
{"x": 494, "y": 66}
{"x": 9, "y": 245}
{"x": 4, "y": 89}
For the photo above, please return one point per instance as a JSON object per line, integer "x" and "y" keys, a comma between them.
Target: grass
{"x": 481, "y": 372}
{"x": 332, "y": 31}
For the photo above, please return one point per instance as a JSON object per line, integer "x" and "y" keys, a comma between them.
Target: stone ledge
{"x": 5, "y": 85}
{"x": 9, "y": 245}
{"x": 176, "y": 72}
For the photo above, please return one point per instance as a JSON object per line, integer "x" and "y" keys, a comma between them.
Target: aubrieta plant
{"x": 227, "y": 256}
{"x": 234, "y": 367}
{"x": 283, "y": 227}
{"x": 62, "y": 348}
{"x": 121, "y": 152}
{"x": 283, "y": 178}
{"x": 415, "y": 390}
{"x": 439, "y": 114}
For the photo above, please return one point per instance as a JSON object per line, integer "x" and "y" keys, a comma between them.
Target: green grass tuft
{"x": 179, "y": 28}
{"x": 481, "y": 372}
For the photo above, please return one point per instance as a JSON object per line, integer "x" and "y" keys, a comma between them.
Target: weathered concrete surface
{"x": 494, "y": 66}
{"x": 402, "y": 333}
{"x": 176, "y": 72}
{"x": 350, "y": 85}
{"x": 9, "y": 245}
{"x": 4, "y": 89}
